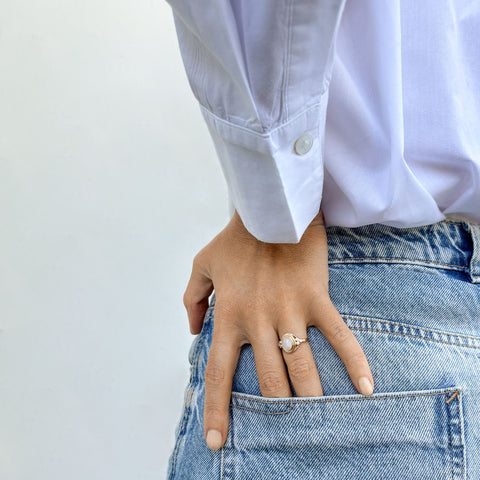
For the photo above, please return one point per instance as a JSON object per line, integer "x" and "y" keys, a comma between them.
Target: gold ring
{"x": 290, "y": 342}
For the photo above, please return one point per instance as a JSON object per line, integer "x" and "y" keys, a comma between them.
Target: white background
{"x": 109, "y": 185}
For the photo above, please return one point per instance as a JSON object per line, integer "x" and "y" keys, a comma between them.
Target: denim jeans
{"x": 412, "y": 299}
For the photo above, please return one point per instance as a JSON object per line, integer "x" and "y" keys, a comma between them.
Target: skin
{"x": 262, "y": 291}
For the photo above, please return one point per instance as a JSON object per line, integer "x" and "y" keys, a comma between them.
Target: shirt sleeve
{"x": 260, "y": 71}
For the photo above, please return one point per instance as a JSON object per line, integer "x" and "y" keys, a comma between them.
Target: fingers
{"x": 347, "y": 347}
{"x": 221, "y": 364}
{"x": 196, "y": 295}
{"x": 271, "y": 371}
{"x": 301, "y": 366}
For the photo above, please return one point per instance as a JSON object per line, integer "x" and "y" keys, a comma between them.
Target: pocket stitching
{"x": 393, "y": 260}
{"x": 461, "y": 433}
{"x": 413, "y": 336}
{"x": 456, "y": 339}
{"x": 260, "y": 411}
{"x": 322, "y": 400}
{"x": 406, "y": 325}
{"x": 456, "y": 441}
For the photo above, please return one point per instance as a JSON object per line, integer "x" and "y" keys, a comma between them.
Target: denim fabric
{"x": 412, "y": 299}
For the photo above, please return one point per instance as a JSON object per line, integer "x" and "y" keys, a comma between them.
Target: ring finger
{"x": 301, "y": 366}
{"x": 271, "y": 371}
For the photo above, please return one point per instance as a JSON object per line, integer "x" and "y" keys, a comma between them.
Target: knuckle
{"x": 340, "y": 333}
{"x": 271, "y": 383}
{"x": 355, "y": 360}
{"x": 257, "y": 302}
{"x": 225, "y": 307}
{"x": 213, "y": 414}
{"x": 300, "y": 368}
{"x": 187, "y": 299}
{"x": 256, "y": 330}
{"x": 197, "y": 259}
{"x": 320, "y": 301}
{"x": 199, "y": 263}
{"x": 214, "y": 375}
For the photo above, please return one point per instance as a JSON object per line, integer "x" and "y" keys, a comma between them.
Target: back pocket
{"x": 414, "y": 435}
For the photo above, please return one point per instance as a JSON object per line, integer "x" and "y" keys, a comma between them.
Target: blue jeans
{"x": 412, "y": 299}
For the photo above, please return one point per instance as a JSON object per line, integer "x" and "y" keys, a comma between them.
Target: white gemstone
{"x": 287, "y": 344}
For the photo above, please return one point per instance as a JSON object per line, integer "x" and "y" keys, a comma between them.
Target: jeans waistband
{"x": 446, "y": 245}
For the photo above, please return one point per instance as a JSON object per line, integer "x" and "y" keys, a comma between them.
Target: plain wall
{"x": 109, "y": 185}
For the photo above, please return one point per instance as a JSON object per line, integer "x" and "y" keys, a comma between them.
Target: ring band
{"x": 290, "y": 342}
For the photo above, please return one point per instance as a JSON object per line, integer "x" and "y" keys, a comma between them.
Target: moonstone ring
{"x": 289, "y": 342}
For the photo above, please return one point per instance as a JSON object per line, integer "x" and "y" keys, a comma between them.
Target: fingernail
{"x": 366, "y": 388}
{"x": 214, "y": 439}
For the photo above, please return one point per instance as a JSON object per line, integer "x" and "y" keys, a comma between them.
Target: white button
{"x": 303, "y": 144}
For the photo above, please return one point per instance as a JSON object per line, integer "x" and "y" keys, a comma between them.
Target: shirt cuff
{"x": 275, "y": 179}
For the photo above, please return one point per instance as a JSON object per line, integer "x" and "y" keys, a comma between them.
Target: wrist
{"x": 318, "y": 219}
{"x": 236, "y": 224}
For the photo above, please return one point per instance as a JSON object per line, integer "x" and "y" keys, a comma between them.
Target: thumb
{"x": 195, "y": 298}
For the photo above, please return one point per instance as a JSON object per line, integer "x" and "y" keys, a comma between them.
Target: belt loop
{"x": 474, "y": 266}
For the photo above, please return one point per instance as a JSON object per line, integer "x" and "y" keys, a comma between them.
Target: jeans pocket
{"x": 392, "y": 435}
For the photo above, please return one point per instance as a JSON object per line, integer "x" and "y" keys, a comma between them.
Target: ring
{"x": 289, "y": 342}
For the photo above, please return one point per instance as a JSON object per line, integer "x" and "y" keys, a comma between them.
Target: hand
{"x": 263, "y": 290}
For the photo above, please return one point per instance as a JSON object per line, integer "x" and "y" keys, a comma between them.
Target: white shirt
{"x": 400, "y": 141}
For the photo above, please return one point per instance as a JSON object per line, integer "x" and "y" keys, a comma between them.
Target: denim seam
{"x": 186, "y": 409}
{"x": 462, "y": 436}
{"x": 283, "y": 412}
{"x": 439, "y": 332}
{"x": 233, "y": 461}
{"x": 413, "y": 336}
{"x": 450, "y": 447}
{"x": 460, "y": 430}
{"x": 181, "y": 431}
{"x": 453, "y": 396}
{"x": 456, "y": 441}
{"x": 222, "y": 463}
{"x": 395, "y": 260}
{"x": 228, "y": 453}
{"x": 360, "y": 398}
{"x": 476, "y": 246}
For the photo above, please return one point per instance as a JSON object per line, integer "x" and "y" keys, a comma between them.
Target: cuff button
{"x": 303, "y": 144}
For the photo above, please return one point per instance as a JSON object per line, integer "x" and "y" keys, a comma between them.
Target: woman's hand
{"x": 263, "y": 290}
